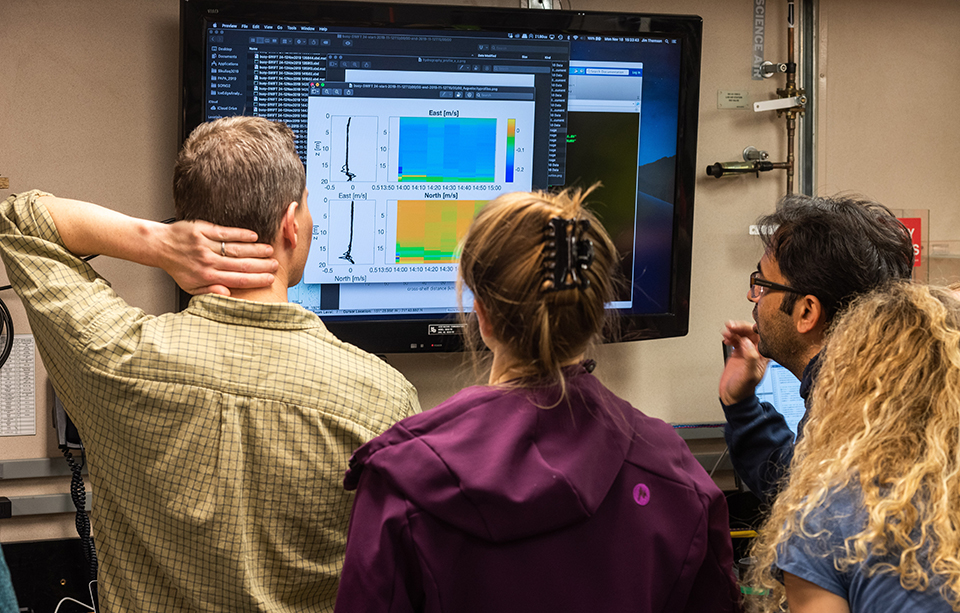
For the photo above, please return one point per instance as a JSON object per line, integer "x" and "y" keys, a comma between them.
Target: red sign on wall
{"x": 913, "y": 225}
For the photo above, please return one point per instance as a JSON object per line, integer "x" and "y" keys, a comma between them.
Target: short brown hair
{"x": 239, "y": 171}
{"x": 502, "y": 263}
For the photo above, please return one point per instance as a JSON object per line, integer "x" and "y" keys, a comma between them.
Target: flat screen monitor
{"x": 409, "y": 118}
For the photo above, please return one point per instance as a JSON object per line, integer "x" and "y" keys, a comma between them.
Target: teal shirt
{"x": 8, "y": 600}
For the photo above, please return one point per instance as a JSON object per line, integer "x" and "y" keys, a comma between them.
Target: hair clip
{"x": 565, "y": 256}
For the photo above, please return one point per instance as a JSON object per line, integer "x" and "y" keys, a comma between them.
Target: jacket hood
{"x": 495, "y": 465}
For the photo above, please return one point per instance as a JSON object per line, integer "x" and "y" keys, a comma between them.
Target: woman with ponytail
{"x": 541, "y": 490}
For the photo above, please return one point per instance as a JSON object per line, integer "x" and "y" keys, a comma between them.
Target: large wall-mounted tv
{"x": 409, "y": 118}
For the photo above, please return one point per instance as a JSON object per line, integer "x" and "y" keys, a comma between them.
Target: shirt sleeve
{"x": 813, "y": 557}
{"x": 380, "y": 571}
{"x": 760, "y": 443}
{"x": 76, "y": 317}
{"x": 413, "y": 402}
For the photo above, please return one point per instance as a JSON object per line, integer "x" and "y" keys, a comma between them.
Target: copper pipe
{"x": 791, "y": 76}
{"x": 791, "y": 128}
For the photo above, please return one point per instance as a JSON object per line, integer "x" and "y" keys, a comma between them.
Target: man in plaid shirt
{"x": 218, "y": 436}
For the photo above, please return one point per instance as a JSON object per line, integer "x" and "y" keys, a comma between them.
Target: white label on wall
{"x": 730, "y": 99}
{"x": 18, "y": 387}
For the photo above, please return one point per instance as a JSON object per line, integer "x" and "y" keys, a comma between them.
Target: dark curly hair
{"x": 836, "y": 248}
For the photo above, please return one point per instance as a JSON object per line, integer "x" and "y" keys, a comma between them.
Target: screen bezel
{"x": 432, "y": 334}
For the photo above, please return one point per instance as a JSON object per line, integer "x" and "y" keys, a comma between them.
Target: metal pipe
{"x": 791, "y": 91}
{"x": 791, "y": 63}
{"x": 807, "y": 81}
{"x": 791, "y": 129}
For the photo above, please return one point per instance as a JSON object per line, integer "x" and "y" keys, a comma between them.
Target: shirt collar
{"x": 276, "y": 315}
{"x": 809, "y": 376}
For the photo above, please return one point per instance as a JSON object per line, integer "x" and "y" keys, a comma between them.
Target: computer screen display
{"x": 781, "y": 388}
{"x": 410, "y": 118}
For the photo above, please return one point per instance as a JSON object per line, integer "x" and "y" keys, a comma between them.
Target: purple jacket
{"x": 489, "y": 503}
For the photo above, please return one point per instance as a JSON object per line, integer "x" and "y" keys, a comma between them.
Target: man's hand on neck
{"x": 201, "y": 257}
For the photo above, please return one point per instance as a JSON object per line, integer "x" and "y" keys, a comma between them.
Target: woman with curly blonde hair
{"x": 868, "y": 520}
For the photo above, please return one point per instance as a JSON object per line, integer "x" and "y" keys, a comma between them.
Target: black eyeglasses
{"x": 759, "y": 285}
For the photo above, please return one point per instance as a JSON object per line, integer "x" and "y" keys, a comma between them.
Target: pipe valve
{"x": 721, "y": 169}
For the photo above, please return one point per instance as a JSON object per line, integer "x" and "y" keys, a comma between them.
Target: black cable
{"x": 79, "y": 494}
{"x": 6, "y": 333}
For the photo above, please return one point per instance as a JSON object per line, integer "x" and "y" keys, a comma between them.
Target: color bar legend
{"x": 511, "y": 148}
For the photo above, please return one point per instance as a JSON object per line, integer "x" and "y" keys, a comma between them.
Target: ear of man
{"x": 290, "y": 226}
{"x": 809, "y": 317}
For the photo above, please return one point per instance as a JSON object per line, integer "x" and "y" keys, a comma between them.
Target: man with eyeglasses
{"x": 819, "y": 253}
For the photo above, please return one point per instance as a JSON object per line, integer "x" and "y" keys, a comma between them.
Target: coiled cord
{"x": 79, "y": 494}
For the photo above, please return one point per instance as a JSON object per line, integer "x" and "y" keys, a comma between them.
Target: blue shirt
{"x": 814, "y": 559}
